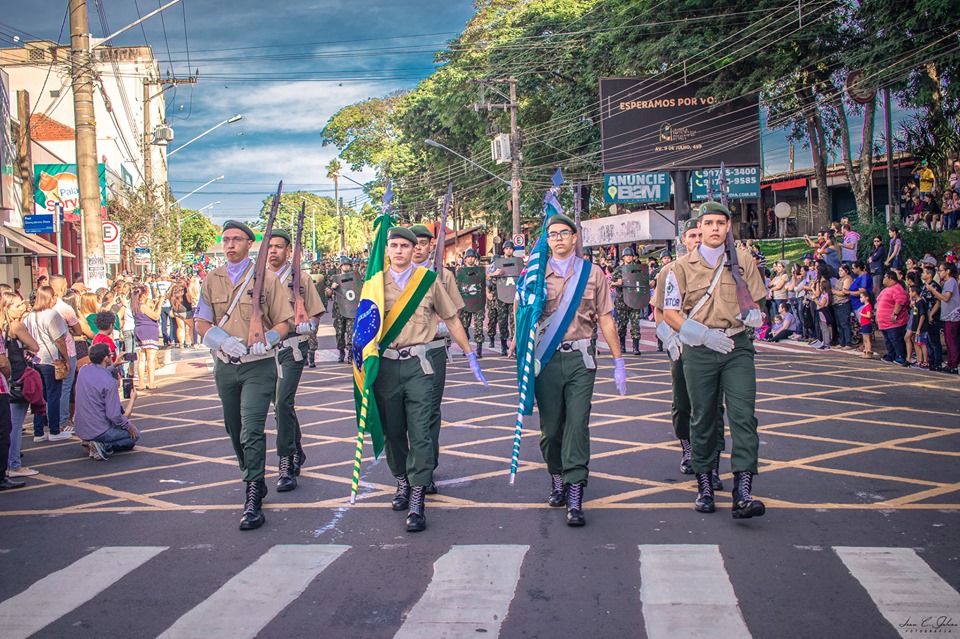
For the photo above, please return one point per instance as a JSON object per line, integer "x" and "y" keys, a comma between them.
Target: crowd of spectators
{"x": 924, "y": 204}
{"x": 67, "y": 356}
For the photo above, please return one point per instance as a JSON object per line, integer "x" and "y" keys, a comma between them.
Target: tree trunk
{"x": 818, "y": 149}
{"x": 861, "y": 177}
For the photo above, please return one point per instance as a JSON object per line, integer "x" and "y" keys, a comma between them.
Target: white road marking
{"x": 247, "y": 603}
{"x": 63, "y": 591}
{"x": 685, "y": 592}
{"x": 908, "y": 593}
{"x": 469, "y": 595}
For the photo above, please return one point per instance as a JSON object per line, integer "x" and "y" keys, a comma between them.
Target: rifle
{"x": 744, "y": 299}
{"x": 442, "y": 232}
{"x": 299, "y": 308}
{"x": 257, "y": 331}
{"x": 577, "y": 212}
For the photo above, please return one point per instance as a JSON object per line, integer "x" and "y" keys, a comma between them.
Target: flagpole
{"x": 524, "y": 388}
{"x": 361, "y": 430}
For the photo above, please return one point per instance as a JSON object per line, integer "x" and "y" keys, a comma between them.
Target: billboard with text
{"x": 56, "y": 187}
{"x": 659, "y": 124}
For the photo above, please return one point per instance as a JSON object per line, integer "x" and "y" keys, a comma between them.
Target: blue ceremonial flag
{"x": 531, "y": 296}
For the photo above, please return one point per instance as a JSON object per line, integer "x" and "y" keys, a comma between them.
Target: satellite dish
{"x": 782, "y": 210}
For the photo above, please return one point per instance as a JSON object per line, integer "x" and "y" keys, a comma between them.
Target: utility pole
{"x": 24, "y": 154}
{"x": 336, "y": 198}
{"x": 81, "y": 63}
{"x": 514, "y": 108}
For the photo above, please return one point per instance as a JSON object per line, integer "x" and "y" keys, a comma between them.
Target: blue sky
{"x": 285, "y": 66}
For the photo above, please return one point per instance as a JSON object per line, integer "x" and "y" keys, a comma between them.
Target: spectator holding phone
{"x": 100, "y": 420}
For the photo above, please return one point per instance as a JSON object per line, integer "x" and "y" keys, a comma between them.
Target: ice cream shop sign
{"x": 57, "y": 189}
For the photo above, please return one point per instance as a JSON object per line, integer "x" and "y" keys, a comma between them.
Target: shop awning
{"x": 33, "y": 244}
{"x": 798, "y": 183}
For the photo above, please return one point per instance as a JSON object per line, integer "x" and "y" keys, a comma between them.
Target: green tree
{"x": 197, "y": 232}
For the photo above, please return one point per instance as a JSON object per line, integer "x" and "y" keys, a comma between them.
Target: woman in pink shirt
{"x": 892, "y": 313}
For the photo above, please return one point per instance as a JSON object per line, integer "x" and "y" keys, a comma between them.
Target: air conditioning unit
{"x": 162, "y": 135}
{"x": 500, "y": 149}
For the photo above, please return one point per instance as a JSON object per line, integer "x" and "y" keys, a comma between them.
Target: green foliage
{"x": 917, "y": 241}
{"x": 197, "y": 233}
{"x": 358, "y": 227}
{"x": 138, "y": 211}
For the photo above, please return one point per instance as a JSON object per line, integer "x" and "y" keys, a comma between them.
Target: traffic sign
{"x": 141, "y": 251}
{"x": 143, "y": 240}
{"x": 111, "y": 242}
{"x": 38, "y": 223}
{"x": 518, "y": 239}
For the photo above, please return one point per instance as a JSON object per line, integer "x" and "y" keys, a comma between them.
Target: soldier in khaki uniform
{"x": 718, "y": 356}
{"x": 681, "y": 399}
{"x": 438, "y": 356}
{"x": 404, "y": 389}
{"x": 293, "y": 353}
{"x": 246, "y": 377}
{"x": 564, "y": 386}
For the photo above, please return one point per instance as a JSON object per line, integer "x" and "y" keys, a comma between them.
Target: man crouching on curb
{"x": 99, "y": 419}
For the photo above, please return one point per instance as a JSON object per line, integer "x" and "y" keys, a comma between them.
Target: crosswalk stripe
{"x": 908, "y": 593}
{"x": 469, "y": 595}
{"x": 685, "y": 592}
{"x": 247, "y": 603}
{"x": 65, "y": 590}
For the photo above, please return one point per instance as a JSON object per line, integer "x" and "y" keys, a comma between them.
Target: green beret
{"x": 560, "y": 218}
{"x": 284, "y": 233}
{"x": 233, "y": 224}
{"x": 691, "y": 224}
{"x": 402, "y": 233}
{"x": 629, "y": 251}
{"x": 421, "y": 231}
{"x": 713, "y": 208}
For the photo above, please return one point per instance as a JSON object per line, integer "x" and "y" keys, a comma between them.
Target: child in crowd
{"x": 104, "y": 321}
{"x": 866, "y": 325}
{"x": 919, "y": 327}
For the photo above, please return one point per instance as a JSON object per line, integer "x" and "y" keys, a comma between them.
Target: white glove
{"x": 217, "y": 339}
{"x": 696, "y": 334}
{"x": 261, "y": 348}
{"x": 306, "y": 327}
{"x": 670, "y": 339}
{"x": 754, "y": 318}
{"x": 233, "y": 347}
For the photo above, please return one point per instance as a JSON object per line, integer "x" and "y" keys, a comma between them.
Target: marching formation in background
{"x": 395, "y": 323}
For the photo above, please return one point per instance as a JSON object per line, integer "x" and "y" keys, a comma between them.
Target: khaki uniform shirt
{"x": 218, "y": 293}
{"x": 422, "y": 325}
{"x": 661, "y": 284}
{"x": 311, "y": 298}
{"x": 693, "y": 277}
{"x": 449, "y": 281}
{"x": 594, "y": 303}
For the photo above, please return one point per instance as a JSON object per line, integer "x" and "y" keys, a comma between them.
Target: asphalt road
{"x": 858, "y": 469}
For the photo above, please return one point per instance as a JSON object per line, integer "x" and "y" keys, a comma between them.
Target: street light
{"x": 200, "y": 211}
{"x": 219, "y": 177}
{"x": 440, "y": 146}
{"x": 231, "y": 120}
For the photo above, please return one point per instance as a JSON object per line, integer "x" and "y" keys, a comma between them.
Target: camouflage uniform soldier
{"x": 470, "y": 281}
{"x": 626, "y": 314}
{"x": 319, "y": 282}
{"x": 502, "y": 275}
{"x": 345, "y": 288}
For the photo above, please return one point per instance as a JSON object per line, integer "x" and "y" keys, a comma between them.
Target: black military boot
{"x": 402, "y": 499}
{"x": 575, "y": 505}
{"x": 431, "y": 488}
{"x": 253, "y": 517}
{"x": 636, "y": 347}
{"x": 558, "y": 495}
{"x": 479, "y": 350}
{"x": 744, "y": 505}
{"x": 685, "y": 466}
{"x": 340, "y": 356}
{"x": 312, "y": 359}
{"x": 416, "y": 520}
{"x": 503, "y": 348}
{"x": 623, "y": 343}
{"x": 715, "y": 482}
{"x": 299, "y": 460}
{"x": 704, "y": 503}
{"x": 287, "y": 480}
